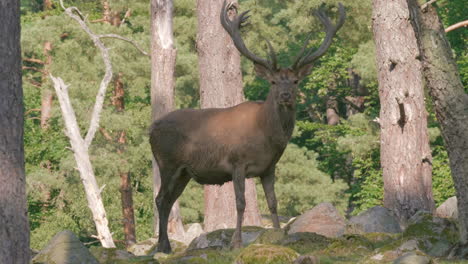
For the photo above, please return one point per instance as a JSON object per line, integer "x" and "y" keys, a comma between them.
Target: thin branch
{"x": 33, "y": 68}
{"x": 423, "y": 7}
{"x": 456, "y": 26}
{"x": 125, "y": 39}
{"x": 95, "y": 117}
{"x": 127, "y": 15}
{"x": 34, "y": 83}
{"x": 32, "y": 110}
{"x": 34, "y": 60}
{"x": 106, "y": 134}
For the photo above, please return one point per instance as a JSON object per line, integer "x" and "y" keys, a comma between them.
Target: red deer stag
{"x": 217, "y": 145}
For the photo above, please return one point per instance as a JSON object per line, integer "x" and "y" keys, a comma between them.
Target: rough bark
{"x": 125, "y": 181}
{"x": 47, "y": 95}
{"x": 127, "y": 208}
{"x": 332, "y": 111}
{"x": 80, "y": 151}
{"x": 163, "y": 60}
{"x": 221, "y": 86}
{"x": 46, "y": 108}
{"x": 14, "y": 227}
{"x": 405, "y": 153}
{"x": 450, "y": 101}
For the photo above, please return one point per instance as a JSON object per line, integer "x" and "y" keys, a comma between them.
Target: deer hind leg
{"x": 173, "y": 183}
{"x": 238, "y": 178}
{"x": 268, "y": 183}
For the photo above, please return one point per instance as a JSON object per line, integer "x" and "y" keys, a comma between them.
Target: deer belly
{"x": 211, "y": 176}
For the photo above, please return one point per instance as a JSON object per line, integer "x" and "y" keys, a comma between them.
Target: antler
{"x": 233, "y": 29}
{"x": 306, "y": 56}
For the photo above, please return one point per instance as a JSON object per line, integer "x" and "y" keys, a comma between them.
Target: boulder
{"x": 424, "y": 224}
{"x": 144, "y": 248}
{"x": 413, "y": 258}
{"x": 65, "y": 248}
{"x": 448, "y": 209}
{"x": 221, "y": 239}
{"x": 375, "y": 220}
{"x": 118, "y": 256}
{"x": 271, "y": 236}
{"x": 272, "y": 254}
{"x": 193, "y": 231}
{"x": 323, "y": 219}
{"x": 149, "y": 247}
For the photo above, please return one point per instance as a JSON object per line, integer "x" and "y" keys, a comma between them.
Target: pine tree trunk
{"x": 46, "y": 108}
{"x": 127, "y": 209}
{"x": 450, "y": 102}
{"x": 14, "y": 227}
{"x": 405, "y": 153}
{"x": 118, "y": 100}
{"x": 163, "y": 61}
{"x": 221, "y": 86}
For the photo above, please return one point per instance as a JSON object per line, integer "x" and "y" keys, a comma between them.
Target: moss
{"x": 381, "y": 239}
{"x": 117, "y": 256}
{"x": 227, "y": 233}
{"x": 202, "y": 256}
{"x": 271, "y": 236}
{"x": 428, "y": 226}
{"x": 350, "y": 244}
{"x": 272, "y": 254}
{"x": 306, "y": 242}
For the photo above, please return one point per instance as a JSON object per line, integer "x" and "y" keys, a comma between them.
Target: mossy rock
{"x": 423, "y": 224}
{"x": 202, "y": 256}
{"x": 381, "y": 239}
{"x": 350, "y": 244}
{"x": 305, "y": 242}
{"x": 271, "y": 236}
{"x": 149, "y": 247}
{"x": 271, "y": 254}
{"x": 65, "y": 247}
{"x": 118, "y": 256}
{"x": 221, "y": 239}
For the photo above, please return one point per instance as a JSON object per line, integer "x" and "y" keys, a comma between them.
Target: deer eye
{"x": 296, "y": 81}
{"x": 273, "y": 82}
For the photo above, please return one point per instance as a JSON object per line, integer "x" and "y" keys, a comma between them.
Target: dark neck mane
{"x": 280, "y": 120}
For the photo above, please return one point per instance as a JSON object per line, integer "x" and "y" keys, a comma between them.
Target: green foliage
{"x": 300, "y": 185}
{"x": 338, "y": 164}
{"x": 442, "y": 182}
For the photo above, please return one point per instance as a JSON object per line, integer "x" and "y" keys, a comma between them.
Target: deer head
{"x": 283, "y": 81}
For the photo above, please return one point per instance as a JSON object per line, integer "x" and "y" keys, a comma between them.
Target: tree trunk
{"x": 80, "y": 151}
{"x": 125, "y": 181}
{"x": 47, "y": 5}
{"x": 46, "y": 108}
{"x": 221, "y": 86}
{"x": 14, "y": 227}
{"x": 332, "y": 111}
{"x": 127, "y": 208}
{"x": 163, "y": 60}
{"x": 405, "y": 153}
{"x": 450, "y": 101}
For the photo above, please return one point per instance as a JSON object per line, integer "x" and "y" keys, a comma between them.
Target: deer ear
{"x": 304, "y": 71}
{"x": 262, "y": 71}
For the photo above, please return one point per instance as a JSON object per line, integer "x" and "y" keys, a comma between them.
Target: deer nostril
{"x": 285, "y": 96}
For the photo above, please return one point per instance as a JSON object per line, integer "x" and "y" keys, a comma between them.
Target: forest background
{"x": 334, "y": 153}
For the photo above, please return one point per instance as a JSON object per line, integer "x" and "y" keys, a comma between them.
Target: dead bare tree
{"x": 217, "y": 145}
{"x": 80, "y": 145}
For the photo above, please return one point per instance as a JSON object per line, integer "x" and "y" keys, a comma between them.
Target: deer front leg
{"x": 268, "y": 183}
{"x": 238, "y": 179}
